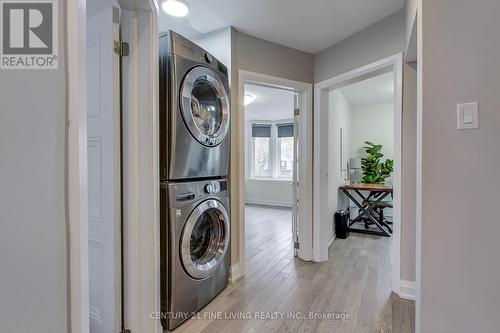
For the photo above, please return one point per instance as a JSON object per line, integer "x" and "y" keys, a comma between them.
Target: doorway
{"x": 333, "y": 161}
{"x": 95, "y": 265}
{"x": 361, "y": 125}
{"x": 275, "y": 180}
{"x": 270, "y": 159}
{"x": 104, "y": 168}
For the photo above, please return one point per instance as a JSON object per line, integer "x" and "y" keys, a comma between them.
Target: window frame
{"x": 278, "y": 158}
{"x": 274, "y": 150}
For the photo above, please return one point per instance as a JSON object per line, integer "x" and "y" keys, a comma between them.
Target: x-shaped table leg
{"x": 368, "y": 210}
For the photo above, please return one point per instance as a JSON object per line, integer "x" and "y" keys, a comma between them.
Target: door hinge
{"x": 121, "y": 48}
{"x": 296, "y": 112}
{"x": 296, "y": 245}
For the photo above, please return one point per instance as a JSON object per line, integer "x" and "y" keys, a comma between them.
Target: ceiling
{"x": 307, "y": 25}
{"x": 376, "y": 90}
{"x": 270, "y": 103}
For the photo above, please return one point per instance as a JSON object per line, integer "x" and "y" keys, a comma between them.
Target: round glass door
{"x": 205, "y": 239}
{"x": 205, "y": 106}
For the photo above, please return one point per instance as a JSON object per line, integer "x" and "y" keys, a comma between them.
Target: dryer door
{"x": 205, "y": 106}
{"x": 205, "y": 239}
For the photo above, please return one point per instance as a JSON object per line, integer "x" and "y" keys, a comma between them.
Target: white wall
{"x": 339, "y": 116}
{"x": 409, "y": 174}
{"x": 380, "y": 40}
{"x": 268, "y": 192}
{"x": 257, "y": 55}
{"x": 33, "y": 244}
{"x": 460, "y": 229}
{"x": 374, "y": 123}
{"x": 218, "y": 43}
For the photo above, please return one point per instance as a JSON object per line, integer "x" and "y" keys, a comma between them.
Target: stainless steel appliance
{"x": 195, "y": 246}
{"x": 194, "y": 111}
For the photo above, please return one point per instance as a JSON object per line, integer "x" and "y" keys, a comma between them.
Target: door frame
{"x": 305, "y": 186}
{"x": 143, "y": 296}
{"x": 113, "y": 12}
{"x": 321, "y": 219}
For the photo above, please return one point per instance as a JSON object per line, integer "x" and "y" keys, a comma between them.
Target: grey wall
{"x": 260, "y": 56}
{"x": 33, "y": 285}
{"x": 410, "y": 13}
{"x": 409, "y": 173}
{"x": 257, "y": 55}
{"x": 460, "y": 230}
{"x": 378, "y": 41}
{"x": 382, "y": 39}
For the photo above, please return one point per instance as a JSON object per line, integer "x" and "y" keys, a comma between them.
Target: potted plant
{"x": 375, "y": 171}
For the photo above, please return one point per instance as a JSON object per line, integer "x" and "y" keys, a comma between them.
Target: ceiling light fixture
{"x": 177, "y": 8}
{"x": 248, "y": 99}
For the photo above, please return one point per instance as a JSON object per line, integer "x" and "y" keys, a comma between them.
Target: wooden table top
{"x": 366, "y": 187}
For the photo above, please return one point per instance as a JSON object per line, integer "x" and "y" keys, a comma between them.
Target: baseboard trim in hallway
{"x": 268, "y": 204}
{"x": 234, "y": 273}
{"x": 407, "y": 289}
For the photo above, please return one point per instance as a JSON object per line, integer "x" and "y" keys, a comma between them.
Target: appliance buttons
{"x": 209, "y": 58}
{"x": 209, "y": 189}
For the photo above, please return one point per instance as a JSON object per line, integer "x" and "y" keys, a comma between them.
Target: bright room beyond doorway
{"x": 269, "y": 145}
{"x": 269, "y": 172}
{"x": 361, "y": 113}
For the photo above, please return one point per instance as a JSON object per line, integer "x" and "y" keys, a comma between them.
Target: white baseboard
{"x": 234, "y": 273}
{"x": 331, "y": 240}
{"x": 269, "y": 203}
{"x": 407, "y": 289}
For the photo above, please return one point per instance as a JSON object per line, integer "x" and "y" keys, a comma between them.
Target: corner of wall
{"x": 380, "y": 40}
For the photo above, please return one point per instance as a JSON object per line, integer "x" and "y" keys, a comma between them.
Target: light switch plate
{"x": 467, "y": 116}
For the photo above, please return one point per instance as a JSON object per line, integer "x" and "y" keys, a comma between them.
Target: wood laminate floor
{"x": 354, "y": 281}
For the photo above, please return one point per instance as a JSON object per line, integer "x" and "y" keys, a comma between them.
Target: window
{"x": 285, "y": 150}
{"x": 261, "y": 134}
{"x": 272, "y": 150}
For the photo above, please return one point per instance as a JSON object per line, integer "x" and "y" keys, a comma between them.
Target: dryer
{"x": 195, "y": 246}
{"x": 194, "y": 111}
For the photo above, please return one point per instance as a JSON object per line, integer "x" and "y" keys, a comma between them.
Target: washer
{"x": 195, "y": 247}
{"x": 194, "y": 111}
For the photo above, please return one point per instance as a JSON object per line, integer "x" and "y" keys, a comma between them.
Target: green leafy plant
{"x": 375, "y": 171}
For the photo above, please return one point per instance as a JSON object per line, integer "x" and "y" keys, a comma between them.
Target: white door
{"x": 295, "y": 181}
{"x": 103, "y": 130}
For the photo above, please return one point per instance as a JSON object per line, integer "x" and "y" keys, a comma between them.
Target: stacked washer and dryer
{"x": 194, "y": 164}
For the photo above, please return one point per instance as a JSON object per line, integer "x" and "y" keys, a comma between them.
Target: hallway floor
{"x": 355, "y": 281}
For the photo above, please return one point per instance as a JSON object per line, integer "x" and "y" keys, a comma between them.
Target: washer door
{"x": 205, "y": 239}
{"x": 205, "y": 106}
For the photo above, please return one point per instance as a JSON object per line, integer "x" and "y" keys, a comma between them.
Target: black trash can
{"x": 341, "y": 224}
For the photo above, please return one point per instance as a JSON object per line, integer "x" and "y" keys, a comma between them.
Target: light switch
{"x": 467, "y": 116}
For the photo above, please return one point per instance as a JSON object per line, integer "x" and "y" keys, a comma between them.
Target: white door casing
{"x": 295, "y": 184}
{"x": 305, "y": 166}
{"x": 104, "y": 179}
{"x": 322, "y": 222}
{"x": 139, "y": 21}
